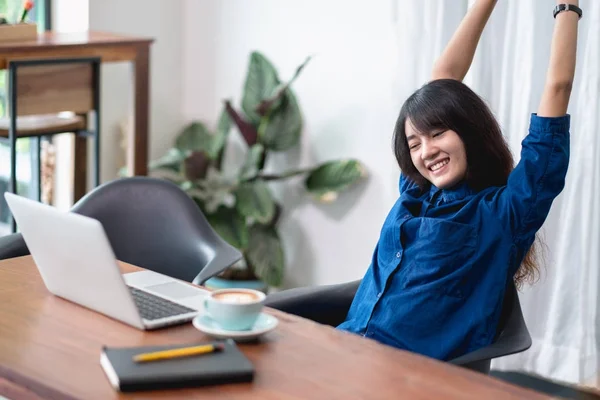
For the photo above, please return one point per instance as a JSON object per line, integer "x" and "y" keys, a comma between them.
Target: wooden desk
{"x": 50, "y": 348}
{"x": 110, "y": 48}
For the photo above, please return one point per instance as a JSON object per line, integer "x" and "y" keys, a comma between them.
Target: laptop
{"x": 76, "y": 262}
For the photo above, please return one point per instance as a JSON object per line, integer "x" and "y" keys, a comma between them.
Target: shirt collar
{"x": 442, "y": 196}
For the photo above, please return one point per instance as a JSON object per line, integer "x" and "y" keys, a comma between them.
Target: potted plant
{"x": 13, "y": 26}
{"x": 241, "y": 206}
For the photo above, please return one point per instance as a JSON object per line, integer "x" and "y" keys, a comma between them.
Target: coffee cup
{"x": 234, "y": 309}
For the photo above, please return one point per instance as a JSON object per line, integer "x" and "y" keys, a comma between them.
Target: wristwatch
{"x": 567, "y": 7}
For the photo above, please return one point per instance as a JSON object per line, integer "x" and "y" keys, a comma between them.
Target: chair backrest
{"x": 154, "y": 224}
{"x": 512, "y": 335}
{"x": 50, "y": 86}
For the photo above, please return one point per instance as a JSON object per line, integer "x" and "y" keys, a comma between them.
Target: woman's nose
{"x": 428, "y": 151}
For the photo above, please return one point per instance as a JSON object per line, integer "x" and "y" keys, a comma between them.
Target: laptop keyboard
{"x": 153, "y": 307}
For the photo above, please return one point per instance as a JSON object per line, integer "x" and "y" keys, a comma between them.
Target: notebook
{"x": 227, "y": 366}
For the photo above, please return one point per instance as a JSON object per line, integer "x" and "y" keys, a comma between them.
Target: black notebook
{"x": 227, "y": 366}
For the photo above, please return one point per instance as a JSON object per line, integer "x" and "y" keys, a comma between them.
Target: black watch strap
{"x": 567, "y": 7}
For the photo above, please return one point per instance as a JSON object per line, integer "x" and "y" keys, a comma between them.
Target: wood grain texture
{"x": 52, "y": 347}
{"x": 51, "y": 39}
{"x": 51, "y": 89}
{"x": 39, "y": 125}
{"x": 138, "y": 144}
{"x": 109, "y": 47}
{"x": 80, "y": 163}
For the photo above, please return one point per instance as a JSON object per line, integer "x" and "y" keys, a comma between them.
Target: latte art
{"x": 236, "y": 297}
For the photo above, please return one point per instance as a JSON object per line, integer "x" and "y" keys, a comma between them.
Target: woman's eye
{"x": 439, "y": 134}
{"x": 414, "y": 146}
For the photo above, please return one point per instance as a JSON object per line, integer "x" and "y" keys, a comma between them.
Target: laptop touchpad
{"x": 175, "y": 290}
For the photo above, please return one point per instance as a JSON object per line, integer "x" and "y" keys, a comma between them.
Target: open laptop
{"x": 77, "y": 263}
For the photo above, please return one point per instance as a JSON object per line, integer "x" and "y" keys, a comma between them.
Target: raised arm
{"x": 540, "y": 175}
{"x": 456, "y": 59}
{"x": 561, "y": 69}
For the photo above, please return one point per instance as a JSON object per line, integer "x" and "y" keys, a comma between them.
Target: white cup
{"x": 234, "y": 309}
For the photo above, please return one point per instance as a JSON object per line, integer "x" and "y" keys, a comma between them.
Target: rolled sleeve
{"x": 538, "y": 178}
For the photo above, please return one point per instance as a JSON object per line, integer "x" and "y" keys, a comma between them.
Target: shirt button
{"x": 398, "y": 255}
{"x": 378, "y": 295}
{"x": 406, "y": 216}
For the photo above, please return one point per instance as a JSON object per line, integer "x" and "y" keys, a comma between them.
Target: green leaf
{"x": 328, "y": 179}
{"x": 231, "y": 226}
{"x": 265, "y": 254}
{"x": 254, "y": 200}
{"x": 187, "y": 185}
{"x": 170, "y": 161}
{"x": 274, "y": 100}
{"x": 248, "y": 130}
{"x": 254, "y": 156}
{"x": 215, "y": 190}
{"x": 219, "y": 139}
{"x": 284, "y": 175}
{"x": 195, "y": 137}
{"x": 261, "y": 81}
{"x": 195, "y": 166}
{"x": 123, "y": 172}
{"x": 280, "y": 129}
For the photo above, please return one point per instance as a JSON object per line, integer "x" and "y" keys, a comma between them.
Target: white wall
{"x": 70, "y": 15}
{"x": 160, "y": 20}
{"x": 347, "y": 97}
{"x": 157, "y": 19}
{"x": 67, "y": 16}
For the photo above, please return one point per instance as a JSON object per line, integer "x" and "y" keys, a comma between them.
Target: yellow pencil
{"x": 181, "y": 352}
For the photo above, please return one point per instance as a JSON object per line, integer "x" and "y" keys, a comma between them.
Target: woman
{"x": 466, "y": 221}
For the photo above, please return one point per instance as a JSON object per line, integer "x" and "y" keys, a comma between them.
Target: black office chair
{"x": 151, "y": 223}
{"x": 330, "y": 304}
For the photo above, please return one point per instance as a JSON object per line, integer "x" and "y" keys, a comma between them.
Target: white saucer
{"x": 265, "y": 323}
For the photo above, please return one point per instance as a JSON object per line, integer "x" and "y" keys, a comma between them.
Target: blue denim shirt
{"x": 444, "y": 257}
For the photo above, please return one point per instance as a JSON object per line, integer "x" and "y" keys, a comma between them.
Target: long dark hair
{"x": 450, "y": 104}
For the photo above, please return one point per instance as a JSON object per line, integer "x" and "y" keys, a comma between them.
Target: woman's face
{"x": 439, "y": 156}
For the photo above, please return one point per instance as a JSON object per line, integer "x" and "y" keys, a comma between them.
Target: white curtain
{"x": 509, "y": 69}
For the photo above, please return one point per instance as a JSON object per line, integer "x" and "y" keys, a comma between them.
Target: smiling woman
{"x": 462, "y": 231}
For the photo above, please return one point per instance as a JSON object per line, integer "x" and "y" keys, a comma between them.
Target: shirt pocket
{"x": 443, "y": 251}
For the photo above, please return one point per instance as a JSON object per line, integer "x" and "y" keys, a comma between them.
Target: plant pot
{"x": 220, "y": 283}
{"x": 18, "y": 32}
{"x": 239, "y": 275}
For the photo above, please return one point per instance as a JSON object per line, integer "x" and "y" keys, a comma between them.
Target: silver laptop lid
{"x": 74, "y": 258}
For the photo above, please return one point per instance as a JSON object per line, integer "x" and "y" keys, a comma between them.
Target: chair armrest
{"x": 12, "y": 246}
{"x": 327, "y": 305}
{"x": 505, "y": 346}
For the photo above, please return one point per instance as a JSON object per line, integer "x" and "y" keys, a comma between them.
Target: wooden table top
{"x": 53, "y": 39}
{"x": 50, "y": 348}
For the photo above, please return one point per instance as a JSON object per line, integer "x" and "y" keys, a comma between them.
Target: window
{"x": 40, "y": 14}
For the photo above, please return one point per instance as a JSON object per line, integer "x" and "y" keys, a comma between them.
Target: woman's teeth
{"x": 439, "y": 165}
